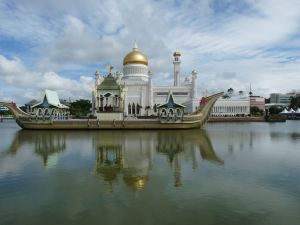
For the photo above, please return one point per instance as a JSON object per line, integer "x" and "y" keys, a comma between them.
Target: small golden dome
{"x": 136, "y": 183}
{"x": 177, "y": 53}
{"x": 135, "y": 56}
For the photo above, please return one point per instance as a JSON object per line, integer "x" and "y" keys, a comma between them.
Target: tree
{"x": 275, "y": 110}
{"x": 254, "y": 110}
{"x": 80, "y": 107}
{"x": 5, "y": 112}
{"x": 241, "y": 92}
{"x": 226, "y": 96}
{"x": 230, "y": 91}
{"x": 295, "y": 102}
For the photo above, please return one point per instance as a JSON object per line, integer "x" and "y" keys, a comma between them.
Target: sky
{"x": 59, "y": 44}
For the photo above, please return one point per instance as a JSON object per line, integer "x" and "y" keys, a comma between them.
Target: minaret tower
{"x": 150, "y": 89}
{"x": 176, "y": 63}
{"x": 194, "y": 84}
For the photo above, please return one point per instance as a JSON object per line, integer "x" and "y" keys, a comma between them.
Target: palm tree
{"x": 225, "y": 96}
{"x": 230, "y": 91}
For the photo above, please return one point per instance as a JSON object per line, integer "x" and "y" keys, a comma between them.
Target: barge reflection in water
{"x": 130, "y": 155}
{"x": 125, "y": 156}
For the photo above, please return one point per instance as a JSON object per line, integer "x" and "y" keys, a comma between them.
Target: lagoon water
{"x": 227, "y": 173}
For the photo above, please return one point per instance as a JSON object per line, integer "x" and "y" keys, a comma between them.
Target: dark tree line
{"x": 254, "y": 110}
{"x": 295, "y": 102}
{"x": 80, "y": 108}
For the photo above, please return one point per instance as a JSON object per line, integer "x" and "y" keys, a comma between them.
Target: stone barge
{"x": 188, "y": 121}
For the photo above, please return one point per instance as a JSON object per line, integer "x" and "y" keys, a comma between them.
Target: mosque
{"x": 131, "y": 93}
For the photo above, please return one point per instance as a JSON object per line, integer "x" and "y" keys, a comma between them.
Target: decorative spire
{"x": 135, "y": 46}
{"x": 109, "y": 68}
{"x": 250, "y": 92}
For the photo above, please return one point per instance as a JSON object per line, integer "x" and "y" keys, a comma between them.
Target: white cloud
{"x": 27, "y": 84}
{"x": 248, "y": 42}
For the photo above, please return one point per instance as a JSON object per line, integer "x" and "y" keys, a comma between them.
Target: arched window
{"x": 116, "y": 103}
{"x": 155, "y": 108}
{"x": 39, "y": 112}
{"x": 129, "y": 109}
{"x": 133, "y": 109}
{"x": 138, "y": 109}
{"x": 107, "y": 96}
{"x": 101, "y": 100}
{"x": 171, "y": 112}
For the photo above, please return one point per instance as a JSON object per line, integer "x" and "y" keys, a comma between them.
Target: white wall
{"x": 231, "y": 107}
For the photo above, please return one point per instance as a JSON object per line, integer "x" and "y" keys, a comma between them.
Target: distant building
{"x": 232, "y": 107}
{"x": 257, "y": 101}
{"x": 281, "y": 98}
{"x": 3, "y": 108}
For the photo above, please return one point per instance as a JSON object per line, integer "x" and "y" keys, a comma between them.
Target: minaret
{"x": 150, "y": 89}
{"x": 176, "y": 63}
{"x": 97, "y": 75}
{"x": 194, "y": 84}
{"x": 94, "y": 93}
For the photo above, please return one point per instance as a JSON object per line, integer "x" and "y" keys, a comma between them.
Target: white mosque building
{"x": 131, "y": 92}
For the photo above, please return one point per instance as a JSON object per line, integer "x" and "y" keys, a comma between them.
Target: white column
{"x": 150, "y": 90}
{"x": 176, "y": 63}
{"x": 194, "y": 84}
{"x": 141, "y": 103}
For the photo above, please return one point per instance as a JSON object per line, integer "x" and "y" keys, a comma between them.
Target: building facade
{"x": 257, "y": 101}
{"x": 138, "y": 96}
{"x": 281, "y": 98}
{"x": 232, "y": 107}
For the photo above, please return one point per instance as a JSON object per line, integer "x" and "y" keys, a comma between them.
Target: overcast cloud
{"x": 59, "y": 44}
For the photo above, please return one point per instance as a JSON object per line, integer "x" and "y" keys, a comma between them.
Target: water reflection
{"x": 125, "y": 156}
{"x": 129, "y": 155}
{"x": 45, "y": 144}
{"x": 293, "y": 136}
{"x": 176, "y": 170}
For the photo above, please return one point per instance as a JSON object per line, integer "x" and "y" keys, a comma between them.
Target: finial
{"x": 250, "y": 93}
{"x": 109, "y": 68}
{"x": 135, "y": 46}
{"x": 118, "y": 73}
{"x": 177, "y": 53}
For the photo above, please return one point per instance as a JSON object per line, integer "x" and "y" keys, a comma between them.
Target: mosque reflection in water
{"x": 45, "y": 144}
{"x": 122, "y": 155}
{"x": 129, "y": 155}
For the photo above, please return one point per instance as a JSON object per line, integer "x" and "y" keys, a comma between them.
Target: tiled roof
{"x": 109, "y": 83}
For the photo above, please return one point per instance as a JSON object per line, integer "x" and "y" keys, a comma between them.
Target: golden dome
{"x": 177, "y": 53}
{"x": 136, "y": 183}
{"x": 135, "y": 57}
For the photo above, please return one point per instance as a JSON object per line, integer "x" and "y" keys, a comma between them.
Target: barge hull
{"x": 190, "y": 121}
